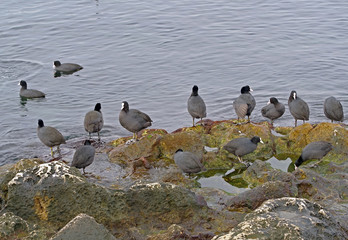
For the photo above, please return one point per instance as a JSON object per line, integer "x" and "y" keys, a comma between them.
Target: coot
{"x": 29, "y": 93}
{"x": 298, "y": 108}
{"x": 133, "y": 120}
{"x": 245, "y": 103}
{"x": 93, "y": 121}
{"x": 49, "y": 136}
{"x": 333, "y": 109}
{"x": 196, "y": 106}
{"x": 188, "y": 162}
{"x": 273, "y": 110}
{"x": 83, "y": 156}
{"x": 314, "y": 150}
{"x": 242, "y": 146}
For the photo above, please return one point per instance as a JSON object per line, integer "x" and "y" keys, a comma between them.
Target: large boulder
{"x": 287, "y": 218}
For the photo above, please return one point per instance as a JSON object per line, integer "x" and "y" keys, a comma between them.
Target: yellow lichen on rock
{"x": 41, "y": 205}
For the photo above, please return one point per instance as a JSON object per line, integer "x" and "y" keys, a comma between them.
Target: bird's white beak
{"x": 294, "y": 95}
{"x": 122, "y": 106}
{"x": 19, "y": 83}
{"x": 269, "y": 102}
{"x": 261, "y": 141}
{"x": 251, "y": 90}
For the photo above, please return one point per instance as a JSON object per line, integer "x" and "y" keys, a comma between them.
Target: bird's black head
{"x": 293, "y": 95}
{"x": 97, "y": 107}
{"x": 246, "y": 89}
{"x": 299, "y": 161}
{"x": 125, "y": 106}
{"x": 194, "y": 90}
{"x": 87, "y": 142}
{"x": 273, "y": 100}
{"x": 179, "y": 150}
{"x": 23, "y": 84}
{"x": 40, "y": 123}
{"x": 256, "y": 140}
{"x": 56, "y": 63}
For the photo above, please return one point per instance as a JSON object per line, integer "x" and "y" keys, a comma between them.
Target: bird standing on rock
{"x": 188, "y": 162}
{"x": 298, "y": 108}
{"x": 83, "y": 156}
{"x": 133, "y": 120}
{"x": 196, "y": 106}
{"x": 242, "y": 146}
{"x": 314, "y": 150}
{"x": 93, "y": 121}
{"x": 245, "y": 103}
{"x": 50, "y": 136}
{"x": 333, "y": 109}
{"x": 273, "y": 110}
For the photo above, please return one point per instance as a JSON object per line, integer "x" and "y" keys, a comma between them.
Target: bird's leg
{"x": 193, "y": 122}
{"x": 58, "y": 150}
{"x": 83, "y": 169}
{"x": 304, "y": 121}
{"x": 89, "y": 134}
{"x": 248, "y": 119}
{"x": 98, "y": 137}
{"x": 52, "y": 153}
{"x": 295, "y": 122}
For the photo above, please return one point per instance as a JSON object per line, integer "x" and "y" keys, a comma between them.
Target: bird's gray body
{"x": 245, "y": 103}
{"x": 133, "y": 120}
{"x": 314, "y": 150}
{"x": 66, "y": 67}
{"x": 298, "y": 108}
{"x": 83, "y": 156}
{"x": 93, "y": 121}
{"x": 188, "y": 162}
{"x": 29, "y": 93}
{"x": 240, "y": 146}
{"x": 273, "y": 111}
{"x": 333, "y": 109}
{"x": 50, "y": 136}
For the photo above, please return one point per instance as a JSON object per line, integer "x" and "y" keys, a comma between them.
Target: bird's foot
{"x": 130, "y": 141}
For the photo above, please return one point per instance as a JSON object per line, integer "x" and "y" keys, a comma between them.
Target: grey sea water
{"x": 151, "y": 53}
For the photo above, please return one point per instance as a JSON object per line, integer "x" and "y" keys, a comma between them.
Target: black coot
{"x": 333, "y": 109}
{"x": 196, "y": 106}
{"x": 245, "y": 103}
{"x": 83, "y": 156}
{"x": 188, "y": 162}
{"x": 29, "y": 93}
{"x": 273, "y": 110}
{"x": 314, "y": 150}
{"x": 93, "y": 121}
{"x": 242, "y": 146}
{"x": 133, "y": 120}
{"x": 49, "y": 136}
{"x": 66, "y": 67}
{"x": 298, "y": 108}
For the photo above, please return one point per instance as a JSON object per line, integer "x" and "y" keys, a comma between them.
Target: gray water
{"x": 151, "y": 53}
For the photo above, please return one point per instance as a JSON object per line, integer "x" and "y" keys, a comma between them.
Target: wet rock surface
{"x": 287, "y": 218}
{"x": 135, "y": 190}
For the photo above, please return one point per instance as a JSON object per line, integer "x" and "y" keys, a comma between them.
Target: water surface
{"x": 152, "y": 53}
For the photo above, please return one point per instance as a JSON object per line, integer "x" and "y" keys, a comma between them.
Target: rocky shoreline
{"x": 135, "y": 191}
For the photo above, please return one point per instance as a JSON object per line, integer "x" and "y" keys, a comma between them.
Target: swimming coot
{"x": 66, "y": 67}
{"x": 29, "y": 93}
{"x": 49, "y": 136}
{"x": 93, "y": 121}
{"x": 273, "y": 110}
{"x": 196, "y": 106}
{"x": 333, "y": 109}
{"x": 314, "y": 150}
{"x": 188, "y": 162}
{"x": 298, "y": 108}
{"x": 133, "y": 120}
{"x": 83, "y": 156}
{"x": 245, "y": 103}
{"x": 242, "y": 146}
